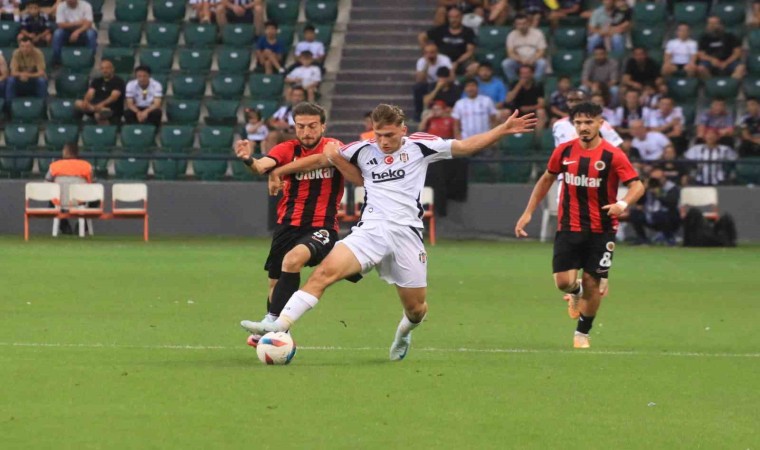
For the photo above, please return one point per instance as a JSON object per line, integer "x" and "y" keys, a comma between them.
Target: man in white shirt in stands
{"x": 311, "y": 44}
{"x": 144, "y": 97}
{"x": 426, "y": 76}
{"x": 650, "y": 144}
{"x": 307, "y": 76}
{"x": 680, "y": 54}
{"x": 241, "y": 11}
{"x": 73, "y": 20}
{"x": 667, "y": 119}
{"x": 474, "y": 113}
{"x": 717, "y": 161}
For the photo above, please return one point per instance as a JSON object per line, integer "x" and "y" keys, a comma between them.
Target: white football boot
{"x": 400, "y": 347}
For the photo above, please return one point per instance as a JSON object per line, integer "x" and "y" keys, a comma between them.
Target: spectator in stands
{"x": 718, "y": 165}
{"x": 104, "y": 99}
{"x": 719, "y": 52}
{"x": 754, "y": 15}
{"x": 203, "y": 11}
{"x": 601, "y": 73}
{"x": 311, "y": 44}
{"x": 35, "y": 25}
{"x": 658, "y": 210}
{"x": 527, "y": 95}
{"x": 445, "y": 89}
{"x": 557, "y": 100}
{"x": 680, "y": 54}
{"x": 74, "y": 22}
{"x": 667, "y": 119}
{"x": 750, "y": 126}
{"x": 674, "y": 170}
{"x": 465, "y": 6}
{"x": 491, "y": 86}
{"x": 607, "y": 113}
{"x": 642, "y": 73}
{"x": 526, "y": 46}
{"x": 70, "y": 167}
{"x": 241, "y": 11}
{"x": 255, "y": 128}
{"x": 601, "y": 31}
{"x": 719, "y": 119}
{"x": 369, "y": 129}
{"x": 650, "y": 144}
{"x": 3, "y": 74}
{"x": 27, "y": 72}
{"x": 307, "y": 76}
{"x": 565, "y": 8}
{"x": 269, "y": 50}
{"x": 8, "y": 10}
{"x": 281, "y": 124}
{"x": 622, "y": 16}
{"x": 453, "y": 40}
{"x": 426, "y": 75}
{"x": 499, "y": 12}
{"x": 439, "y": 122}
{"x": 628, "y": 111}
{"x": 470, "y": 72}
{"x": 474, "y": 113}
{"x": 144, "y": 97}
{"x": 46, "y": 6}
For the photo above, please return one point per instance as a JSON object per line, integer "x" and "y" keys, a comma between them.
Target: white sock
{"x": 270, "y": 317}
{"x": 299, "y": 303}
{"x": 406, "y": 326}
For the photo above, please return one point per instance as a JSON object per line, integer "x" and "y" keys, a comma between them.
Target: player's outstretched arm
{"x": 513, "y": 125}
{"x": 350, "y": 172}
{"x": 244, "y": 151}
{"x": 313, "y": 162}
{"x": 539, "y": 192}
{"x": 636, "y": 189}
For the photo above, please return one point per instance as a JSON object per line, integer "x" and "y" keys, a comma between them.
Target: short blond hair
{"x": 385, "y": 114}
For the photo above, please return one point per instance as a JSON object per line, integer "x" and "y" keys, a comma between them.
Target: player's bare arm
{"x": 513, "y": 125}
{"x": 350, "y": 172}
{"x": 536, "y": 197}
{"x": 635, "y": 190}
{"x": 244, "y": 151}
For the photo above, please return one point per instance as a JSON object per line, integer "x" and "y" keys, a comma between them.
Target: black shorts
{"x": 591, "y": 252}
{"x": 319, "y": 241}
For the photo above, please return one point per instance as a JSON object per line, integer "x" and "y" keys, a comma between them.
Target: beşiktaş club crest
{"x": 404, "y": 157}
{"x": 423, "y": 257}
{"x": 389, "y": 159}
{"x": 600, "y": 165}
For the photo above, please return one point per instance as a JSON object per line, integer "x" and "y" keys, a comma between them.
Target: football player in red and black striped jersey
{"x": 588, "y": 211}
{"x": 307, "y": 224}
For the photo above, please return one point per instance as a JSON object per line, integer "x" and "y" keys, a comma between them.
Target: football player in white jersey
{"x": 389, "y": 235}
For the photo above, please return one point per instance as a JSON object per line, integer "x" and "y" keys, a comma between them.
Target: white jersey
{"x": 564, "y": 131}
{"x": 393, "y": 182}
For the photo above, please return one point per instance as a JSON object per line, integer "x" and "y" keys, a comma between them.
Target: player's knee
{"x": 589, "y": 281}
{"x": 325, "y": 275}
{"x": 416, "y": 312}
{"x": 564, "y": 283}
{"x": 293, "y": 262}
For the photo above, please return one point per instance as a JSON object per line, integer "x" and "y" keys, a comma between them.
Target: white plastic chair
{"x": 700, "y": 197}
{"x": 65, "y": 182}
{"x": 131, "y": 193}
{"x": 40, "y": 192}
{"x": 79, "y": 196}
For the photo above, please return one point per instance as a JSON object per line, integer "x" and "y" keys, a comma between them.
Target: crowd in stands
{"x": 679, "y": 81}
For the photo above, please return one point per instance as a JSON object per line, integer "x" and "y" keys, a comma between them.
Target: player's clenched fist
{"x": 243, "y": 149}
{"x": 332, "y": 151}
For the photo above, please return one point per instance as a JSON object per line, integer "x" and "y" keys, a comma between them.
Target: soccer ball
{"x": 276, "y": 348}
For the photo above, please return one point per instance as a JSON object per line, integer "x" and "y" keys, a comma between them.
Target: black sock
{"x": 577, "y": 290}
{"x": 584, "y": 324}
{"x": 286, "y": 286}
{"x": 269, "y": 304}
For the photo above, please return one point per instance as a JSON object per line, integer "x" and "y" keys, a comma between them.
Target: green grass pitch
{"x": 114, "y": 344}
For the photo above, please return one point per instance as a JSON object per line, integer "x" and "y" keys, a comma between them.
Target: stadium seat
{"x": 97, "y": 10}
{"x": 649, "y": 13}
{"x": 200, "y": 35}
{"x": 169, "y": 168}
{"x": 724, "y": 87}
{"x": 689, "y": 110}
{"x": 222, "y": 112}
{"x": 47, "y": 53}
{"x": 690, "y": 12}
{"x": 321, "y": 12}
{"x": 131, "y": 10}
{"x": 266, "y": 87}
{"x": 571, "y": 38}
{"x": 649, "y": 37}
{"x": 28, "y": 109}
{"x": 751, "y": 87}
{"x": 233, "y": 59}
{"x": 266, "y": 107}
{"x": 123, "y": 59}
{"x": 124, "y": 34}
{"x": 72, "y": 85}
{"x": 99, "y": 137}
{"x": 195, "y": 60}
{"x": 176, "y": 138}
{"x": 683, "y": 89}
{"x": 515, "y": 172}
{"x": 180, "y": 111}
{"x": 213, "y": 137}
{"x": 518, "y": 144}
{"x": 130, "y": 201}
{"x": 61, "y": 110}
{"x": 159, "y": 60}
{"x": 493, "y": 38}
{"x": 77, "y": 59}
{"x": 753, "y": 63}
{"x": 241, "y": 172}
{"x": 8, "y": 32}
{"x": 238, "y": 35}
{"x": 21, "y": 136}
{"x": 131, "y": 168}
{"x": 188, "y": 85}
{"x": 730, "y": 13}
{"x": 285, "y": 34}
{"x": 162, "y": 34}
{"x": 56, "y": 136}
{"x": 138, "y": 138}
{"x": 567, "y": 62}
{"x": 284, "y": 12}
{"x": 492, "y": 56}
{"x": 228, "y": 85}
{"x": 169, "y": 11}
{"x": 546, "y": 146}
{"x": 748, "y": 171}
{"x": 209, "y": 169}
{"x": 12, "y": 164}
{"x": 754, "y": 39}
{"x": 323, "y": 33}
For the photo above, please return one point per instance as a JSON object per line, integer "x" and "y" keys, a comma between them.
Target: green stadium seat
{"x": 284, "y": 12}
{"x": 195, "y": 59}
{"x": 238, "y": 35}
{"x": 690, "y": 12}
{"x": 71, "y": 85}
{"x": 222, "y": 112}
{"x": 215, "y": 137}
{"x": 161, "y": 78}
{"x": 159, "y": 60}
{"x": 266, "y": 107}
{"x": 266, "y": 87}
{"x": 168, "y": 168}
{"x": 518, "y": 144}
{"x": 689, "y": 110}
{"x": 493, "y": 38}
{"x": 56, "y": 136}
{"x": 138, "y": 137}
{"x": 649, "y": 37}
{"x": 21, "y": 136}
{"x": 754, "y": 39}
{"x": 131, "y": 168}
{"x": 124, "y": 34}
{"x": 546, "y": 146}
{"x": 77, "y": 59}
{"x": 241, "y": 172}
{"x": 99, "y": 137}
{"x": 188, "y": 85}
{"x": 724, "y": 87}
{"x": 176, "y": 138}
{"x": 228, "y": 85}
{"x": 15, "y": 167}
{"x": 572, "y": 38}
{"x": 732, "y": 14}
{"x": 233, "y": 59}
{"x": 649, "y": 13}
{"x": 751, "y": 87}
{"x": 200, "y": 35}
{"x": 321, "y": 12}
{"x": 47, "y": 53}
{"x": 43, "y": 164}
{"x": 162, "y": 34}
{"x": 322, "y": 32}
{"x": 206, "y": 169}
{"x": 28, "y": 109}
{"x": 748, "y": 170}
{"x": 123, "y": 59}
{"x": 515, "y": 172}
{"x": 492, "y": 56}
{"x": 183, "y": 111}
{"x": 753, "y": 63}
{"x": 8, "y": 32}
{"x": 97, "y": 9}
{"x": 61, "y": 110}
{"x": 131, "y": 10}
{"x": 285, "y": 36}
{"x": 567, "y": 62}
{"x": 683, "y": 89}
{"x": 169, "y": 10}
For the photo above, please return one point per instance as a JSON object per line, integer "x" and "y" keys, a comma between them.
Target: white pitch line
{"x": 423, "y": 349}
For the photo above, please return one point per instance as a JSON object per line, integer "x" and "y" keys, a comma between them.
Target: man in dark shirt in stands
{"x": 641, "y": 72}
{"x": 35, "y": 25}
{"x": 528, "y": 96}
{"x": 719, "y": 52}
{"x": 445, "y": 89}
{"x": 453, "y": 40}
{"x": 104, "y": 99}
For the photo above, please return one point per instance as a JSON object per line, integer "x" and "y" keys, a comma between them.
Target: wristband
{"x": 248, "y": 161}
{"x": 622, "y": 204}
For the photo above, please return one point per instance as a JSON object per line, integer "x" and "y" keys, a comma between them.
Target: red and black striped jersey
{"x": 591, "y": 178}
{"x": 310, "y": 199}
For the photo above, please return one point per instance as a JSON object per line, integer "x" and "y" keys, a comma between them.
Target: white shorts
{"x": 396, "y": 251}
